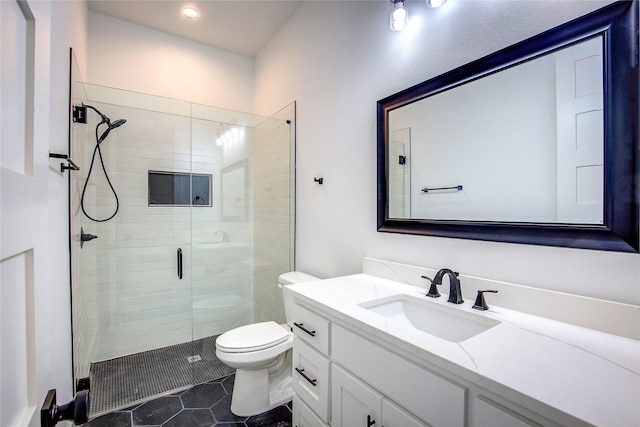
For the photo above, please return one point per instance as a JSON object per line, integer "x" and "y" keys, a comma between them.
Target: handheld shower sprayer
{"x": 118, "y": 123}
{"x": 99, "y": 139}
{"x": 107, "y": 121}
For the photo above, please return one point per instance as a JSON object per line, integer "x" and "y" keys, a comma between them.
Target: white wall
{"x": 336, "y": 59}
{"x": 137, "y": 58}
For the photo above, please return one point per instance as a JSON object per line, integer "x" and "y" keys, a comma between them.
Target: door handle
{"x": 180, "y": 263}
{"x": 76, "y": 410}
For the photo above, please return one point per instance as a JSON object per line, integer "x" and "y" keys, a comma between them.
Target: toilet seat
{"x": 250, "y": 338}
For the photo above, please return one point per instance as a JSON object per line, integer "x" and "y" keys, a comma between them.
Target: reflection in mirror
{"x": 400, "y": 173}
{"x": 525, "y": 144}
{"x": 536, "y": 143}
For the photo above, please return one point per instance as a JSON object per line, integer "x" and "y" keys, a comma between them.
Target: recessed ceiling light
{"x": 190, "y": 12}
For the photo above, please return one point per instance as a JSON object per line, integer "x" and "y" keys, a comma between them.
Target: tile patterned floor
{"x": 205, "y": 405}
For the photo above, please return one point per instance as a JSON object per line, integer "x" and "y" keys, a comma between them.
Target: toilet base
{"x": 260, "y": 390}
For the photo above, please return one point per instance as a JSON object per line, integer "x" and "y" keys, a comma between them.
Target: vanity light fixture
{"x": 190, "y": 12}
{"x": 399, "y": 17}
{"x": 435, "y": 3}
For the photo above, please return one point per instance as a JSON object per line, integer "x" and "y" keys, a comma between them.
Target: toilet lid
{"x": 256, "y": 336}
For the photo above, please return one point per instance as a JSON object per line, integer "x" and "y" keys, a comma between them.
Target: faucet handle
{"x": 480, "y": 303}
{"x": 433, "y": 289}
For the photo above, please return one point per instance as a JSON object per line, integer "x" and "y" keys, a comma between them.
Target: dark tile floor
{"x": 205, "y": 405}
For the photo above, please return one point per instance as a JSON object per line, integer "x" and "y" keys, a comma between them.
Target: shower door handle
{"x": 180, "y": 263}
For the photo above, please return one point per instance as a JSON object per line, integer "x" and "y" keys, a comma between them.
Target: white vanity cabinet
{"x": 354, "y": 404}
{"x": 342, "y": 378}
{"x": 523, "y": 371}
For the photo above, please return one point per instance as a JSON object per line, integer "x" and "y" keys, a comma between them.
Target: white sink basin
{"x": 443, "y": 322}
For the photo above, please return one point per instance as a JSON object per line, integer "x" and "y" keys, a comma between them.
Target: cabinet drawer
{"x": 303, "y": 416}
{"x": 311, "y": 378}
{"x": 312, "y": 328}
{"x": 421, "y": 392}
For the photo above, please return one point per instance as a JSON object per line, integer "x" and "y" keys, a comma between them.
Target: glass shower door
{"x": 132, "y": 285}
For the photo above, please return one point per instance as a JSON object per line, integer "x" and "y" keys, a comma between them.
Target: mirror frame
{"x": 618, "y": 24}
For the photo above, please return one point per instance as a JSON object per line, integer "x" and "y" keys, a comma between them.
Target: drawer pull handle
{"x": 300, "y": 325}
{"x": 370, "y": 422}
{"x": 301, "y": 372}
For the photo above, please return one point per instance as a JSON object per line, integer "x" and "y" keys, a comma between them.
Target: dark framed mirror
{"x": 438, "y": 175}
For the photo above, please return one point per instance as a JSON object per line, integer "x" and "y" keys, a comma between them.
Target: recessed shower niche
{"x": 177, "y": 265}
{"x": 179, "y": 189}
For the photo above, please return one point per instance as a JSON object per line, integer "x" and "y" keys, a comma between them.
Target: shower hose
{"x": 96, "y": 150}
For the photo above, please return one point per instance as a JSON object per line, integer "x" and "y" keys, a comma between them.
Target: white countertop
{"x": 590, "y": 375}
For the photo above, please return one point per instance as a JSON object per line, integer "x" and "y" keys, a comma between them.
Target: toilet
{"x": 261, "y": 355}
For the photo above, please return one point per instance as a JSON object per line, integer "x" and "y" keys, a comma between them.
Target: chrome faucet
{"x": 455, "y": 294}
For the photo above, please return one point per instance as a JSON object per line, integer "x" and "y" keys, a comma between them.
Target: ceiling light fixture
{"x": 190, "y": 12}
{"x": 399, "y": 17}
{"x": 435, "y": 3}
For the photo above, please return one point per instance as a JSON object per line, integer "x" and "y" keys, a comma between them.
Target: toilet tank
{"x": 291, "y": 278}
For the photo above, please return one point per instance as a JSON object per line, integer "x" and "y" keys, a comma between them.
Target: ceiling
{"x": 239, "y": 26}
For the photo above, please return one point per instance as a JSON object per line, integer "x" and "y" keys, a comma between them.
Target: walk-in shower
{"x": 204, "y": 226}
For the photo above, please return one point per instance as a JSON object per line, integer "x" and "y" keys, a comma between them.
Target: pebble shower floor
{"x": 121, "y": 382}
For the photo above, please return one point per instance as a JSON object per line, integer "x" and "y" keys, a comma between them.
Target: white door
{"x": 24, "y": 102}
{"x": 580, "y": 133}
